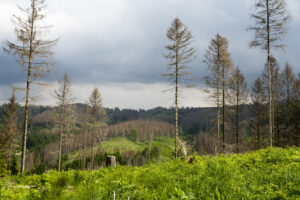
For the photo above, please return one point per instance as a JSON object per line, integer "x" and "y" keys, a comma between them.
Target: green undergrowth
{"x": 264, "y": 174}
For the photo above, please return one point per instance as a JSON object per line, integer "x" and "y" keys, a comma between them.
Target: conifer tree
{"x": 63, "y": 95}
{"x": 276, "y": 94}
{"x": 270, "y": 20}
{"x": 237, "y": 95}
{"x": 258, "y": 98}
{"x": 32, "y": 50}
{"x": 85, "y": 129}
{"x": 96, "y": 112}
{"x": 288, "y": 80}
{"x": 179, "y": 55}
{"x": 219, "y": 64}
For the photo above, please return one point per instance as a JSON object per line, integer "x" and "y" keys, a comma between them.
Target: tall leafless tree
{"x": 276, "y": 94}
{"x": 63, "y": 95}
{"x": 270, "y": 19}
{"x": 237, "y": 95}
{"x": 96, "y": 110}
{"x": 180, "y": 53}
{"x": 85, "y": 129}
{"x": 219, "y": 64}
{"x": 258, "y": 98}
{"x": 32, "y": 50}
{"x": 288, "y": 80}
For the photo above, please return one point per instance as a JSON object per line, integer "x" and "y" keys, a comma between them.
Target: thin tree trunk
{"x": 26, "y": 118}
{"x": 59, "y": 151}
{"x": 84, "y": 148}
{"x": 237, "y": 119}
{"x": 9, "y": 151}
{"x": 218, "y": 123}
{"x": 27, "y": 94}
{"x": 269, "y": 77}
{"x": 218, "y": 101}
{"x": 60, "y": 140}
{"x": 62, "y": 121}
{"x": 288, "y": 110}
{"x": 258, "y": 132}
{"x": 223, "y": 120}
{"x": 92, "y": 163}
{"x": 176, "y": 111}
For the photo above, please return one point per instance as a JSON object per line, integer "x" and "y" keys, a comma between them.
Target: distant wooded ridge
{"x": 191, "y": 120}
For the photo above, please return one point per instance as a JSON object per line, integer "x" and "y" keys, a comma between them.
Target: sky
{"x": 118, "y": 47}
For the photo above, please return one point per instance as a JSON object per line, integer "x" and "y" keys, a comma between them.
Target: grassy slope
{"x": 265, "y": 174}
{"x": 165, "y": 144}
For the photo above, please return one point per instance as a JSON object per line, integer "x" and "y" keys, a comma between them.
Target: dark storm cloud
{"x": 126, "y": 43}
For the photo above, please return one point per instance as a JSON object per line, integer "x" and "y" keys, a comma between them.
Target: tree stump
{"x": 111, "y": 161}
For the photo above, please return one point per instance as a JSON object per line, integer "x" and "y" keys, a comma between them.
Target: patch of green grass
{"x": 122, "y": 144}
{"x": 272, "y": 173}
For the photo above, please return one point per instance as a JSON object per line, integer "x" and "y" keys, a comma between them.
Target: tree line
{"x": 275, "y": 93}
{"x": 226, "y": 83}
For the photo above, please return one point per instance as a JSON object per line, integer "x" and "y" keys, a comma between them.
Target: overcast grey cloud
{"x": 117, "y": 43}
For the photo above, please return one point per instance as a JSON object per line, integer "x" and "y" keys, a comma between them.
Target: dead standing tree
{"x": 219, "y": 64}
{"x": 270, "y": 19}
{"x": 237, "y": 96}
{"x": 288, "y": 79}
{"x": 180, "y": 54}
{"x": 96, "y": 110}
{"x": 32, "y": 51}
{"x": 276, "y": 94}
{"x": 63, "y": 95}
{"x": 258, "y": 99}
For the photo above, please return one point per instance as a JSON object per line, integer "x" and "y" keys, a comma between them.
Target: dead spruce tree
{"x": 276, "y": 97}
{"x": 32, "y": 51}
{"x": 219, "y": 65}
{"x": 96, "y": 111}
{"x": 237, "y": 95}
{"x": 288, "y": 80}
{"x": 180, "y": 53}
{"x": 259, "y": 100}
{"x": 270, "y": 19}
{"x": 9, "y": 132}
{"x": 85, "y": 129}
{"x": 63, "y": 96}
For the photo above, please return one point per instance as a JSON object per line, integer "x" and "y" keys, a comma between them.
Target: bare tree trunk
{"x": 9, "y": 151}
{"x": 258, "y": 134}
{"x": 218, "y": 124}
{"x": 92, "y": 163}
{"x": 26, "y": 117}
{"x": 60, "y": 139}
{"x": 218, "y": 100}
{"x": 237, "y": 118}
{"x": 176, "y": 110}
{"x": 288, "y": 111}
{"x": 84, "y": 149}
{"x": 223, "y": 120}
{"x": 27, "y": 93}
{"x": 269, "y": 76}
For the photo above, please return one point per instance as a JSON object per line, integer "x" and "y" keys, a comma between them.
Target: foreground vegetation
{"x": 264, "y": 174}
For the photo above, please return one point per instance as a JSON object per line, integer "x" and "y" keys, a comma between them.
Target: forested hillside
{"x": 209, "y": 118}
